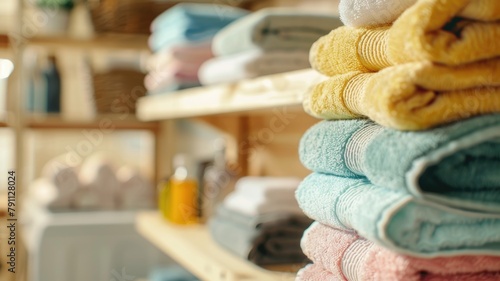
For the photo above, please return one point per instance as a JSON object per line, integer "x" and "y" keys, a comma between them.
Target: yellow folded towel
{"x": 451, "y": 32}
{"x": 413, "y": 96}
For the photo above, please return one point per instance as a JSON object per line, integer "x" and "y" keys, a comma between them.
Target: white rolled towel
{"x": 98, "y": 178}
{"x": 63, "y": 178}
{"x": 366, "y": 13}
{"x": 47, "y": 194}
{"x": 136, "y": 192}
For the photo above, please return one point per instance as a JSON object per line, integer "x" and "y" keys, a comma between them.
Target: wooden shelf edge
{"x": 247, "y": 96}
{"x": 100, "y": 41}
{"x": 193, "y": 248}
{"x": 104, "y": 122}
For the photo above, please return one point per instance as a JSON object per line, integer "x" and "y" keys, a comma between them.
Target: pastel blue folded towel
{"x": 274, "y": 29}
{"x": 456, "y": 165}
{"x": 171, "y": 273}
{"x": 396, "y": 220}
{"x": 191, "y": 23}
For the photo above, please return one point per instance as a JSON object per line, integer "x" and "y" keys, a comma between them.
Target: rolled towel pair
{"x": 341, "y": 255}
{"x": 273, "y": 238}
{"x": 93, "y": 186}
{"x": 104, "y": 187}
{"x": 451, "y": 32}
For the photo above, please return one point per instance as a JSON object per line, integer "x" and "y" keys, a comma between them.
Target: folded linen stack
{"x": 266, "y": 42}
{"x": 180, "y": 41}
{"x": 261, "y": 221}
{"x": 411, "y": 194}
{"x": 437, "y": 63}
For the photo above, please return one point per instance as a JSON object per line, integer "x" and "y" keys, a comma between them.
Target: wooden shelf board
{"x": 192, "y": 247}
{"x": 247, "y": 96}
{"x": 103, "y": 41}
{"x": 112, "y": 122}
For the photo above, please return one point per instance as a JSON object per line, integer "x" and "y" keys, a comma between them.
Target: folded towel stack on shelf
{"x": 95, "y": 185}
{"x": 181, "y": 42}
{"x": 414, "y": 193}
{"x": 261, "y": 221}
{"x": 437, "y": 63}
{"x": 268, "y": 41}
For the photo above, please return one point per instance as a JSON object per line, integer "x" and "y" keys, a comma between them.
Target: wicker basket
{"x": 126, "y": 16}
{"x": 117, "y": 91}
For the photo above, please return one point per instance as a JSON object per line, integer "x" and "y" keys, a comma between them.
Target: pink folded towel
{"x": 185, "y": 53}
{"x": 174, "y": 74}
{"x": 314, "y": 272}
{"x": 348, "y": 256}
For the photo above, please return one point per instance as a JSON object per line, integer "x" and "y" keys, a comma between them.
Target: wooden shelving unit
{"x": 242, "y": 110}
{"x": 194, "y": 249}
{"x": 248, "y": 96}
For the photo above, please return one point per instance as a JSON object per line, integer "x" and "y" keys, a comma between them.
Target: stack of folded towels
{"x": 181, "y": 42}
{"x": 261, "y": 221}
{"x": 413, "y": 193}
{"x": 268, "y": 41}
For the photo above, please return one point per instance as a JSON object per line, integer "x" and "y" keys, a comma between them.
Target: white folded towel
{"x": 255, "y": 196}
{"x": 136, "y": 192}
{"x": 251, "y": 64}
{"x": 250, "y": 207}
{"x": 364, "y": 13}
{"x": 268, "y": 188}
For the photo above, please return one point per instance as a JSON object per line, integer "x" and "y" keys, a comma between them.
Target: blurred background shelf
{"x": 255, "y": 95}
{"x": 193, "y": 248}
{"x": 103, "y": 121}
{"x": 101, "y": 41}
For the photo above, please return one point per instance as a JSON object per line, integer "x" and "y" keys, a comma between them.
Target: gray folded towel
{"x": 263, "y": 240}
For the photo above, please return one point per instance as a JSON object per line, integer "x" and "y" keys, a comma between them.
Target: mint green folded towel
{"x": 457, "y": 165}
{"x": 396, "y": 220}
{"x": 274, "y": 29}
